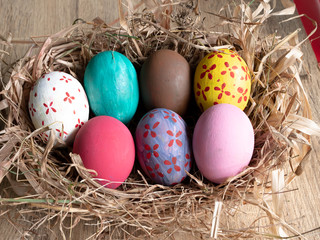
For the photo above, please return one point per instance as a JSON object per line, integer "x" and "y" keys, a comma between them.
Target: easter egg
{"x": 222, "y": 77}
{"x": 223, "y": 142}
{"x": 59, "y": 101}
{"x": 163, "y": 147}
{"x": 110, "y": 81}
{"x": 165, "y": 81}
{"x": 106, "y": 145}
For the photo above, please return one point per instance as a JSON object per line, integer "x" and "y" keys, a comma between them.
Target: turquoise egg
{"x": 111, "y": 84}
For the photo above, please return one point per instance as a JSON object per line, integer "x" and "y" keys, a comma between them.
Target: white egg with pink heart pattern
{"x": 59, "y": 101}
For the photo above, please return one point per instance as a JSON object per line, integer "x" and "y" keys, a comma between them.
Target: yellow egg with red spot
{"x": 222, "y": 77}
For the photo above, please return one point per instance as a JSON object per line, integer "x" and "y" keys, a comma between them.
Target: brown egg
{"x": 165, "y": 81}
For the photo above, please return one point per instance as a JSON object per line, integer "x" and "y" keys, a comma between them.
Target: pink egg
{"x": 223, "y": 142}
{"x": 106, "y": 145}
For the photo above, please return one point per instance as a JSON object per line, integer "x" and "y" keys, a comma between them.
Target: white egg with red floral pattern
{"x": 59, "y": 101}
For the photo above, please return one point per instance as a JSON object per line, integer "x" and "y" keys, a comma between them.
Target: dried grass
{"x": 55, "y": 183}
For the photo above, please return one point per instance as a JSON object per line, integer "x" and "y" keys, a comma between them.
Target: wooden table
{"x": 26, "y": 18}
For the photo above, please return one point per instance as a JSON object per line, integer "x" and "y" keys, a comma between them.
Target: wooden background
{"x": 29, "y": 18}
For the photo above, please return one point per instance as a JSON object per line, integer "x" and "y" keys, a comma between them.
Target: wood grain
{"x": 26, "y": 18}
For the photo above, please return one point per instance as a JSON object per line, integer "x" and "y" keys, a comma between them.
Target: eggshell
{"x": 223, "y": 142}
{"x": 106, "y": 145}
{"x": 111, "y": 84}
{"x": 165, "y": 81}
{"x": 59, "y": 101}
{"x": 163, "y": 147}
{"x": 222, "y": 77}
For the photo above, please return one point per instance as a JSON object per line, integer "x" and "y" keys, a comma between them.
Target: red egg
{"x": 106, "y": 145}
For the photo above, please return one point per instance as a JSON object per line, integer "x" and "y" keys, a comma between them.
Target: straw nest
{"x": 54, "y": 182}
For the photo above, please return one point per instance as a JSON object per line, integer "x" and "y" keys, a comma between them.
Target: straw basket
{"x": 53, "y": 182}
